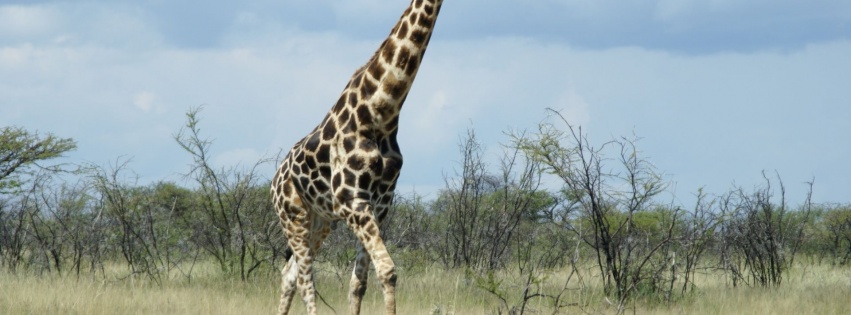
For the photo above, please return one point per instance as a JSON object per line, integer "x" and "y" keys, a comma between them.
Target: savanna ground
{"x": 807, "y": 289}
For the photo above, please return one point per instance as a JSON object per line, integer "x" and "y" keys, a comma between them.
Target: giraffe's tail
{"x": 288, "y": 253}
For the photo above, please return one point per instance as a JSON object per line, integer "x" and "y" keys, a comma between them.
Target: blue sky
{"x": 718, "y": 90}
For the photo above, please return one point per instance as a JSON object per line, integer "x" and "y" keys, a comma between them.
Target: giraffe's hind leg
{"x": 289, "y": 275}
{"x": 297, "y": 233}
{"x": 304, "y": 242}
{"x": 297, "y": 223}
{"x": 357, "y": 286}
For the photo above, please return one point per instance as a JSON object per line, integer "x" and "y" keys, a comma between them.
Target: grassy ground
{"x": 806, "y": 290}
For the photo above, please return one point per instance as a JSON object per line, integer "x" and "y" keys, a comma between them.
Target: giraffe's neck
{"x": 383, "y": 83}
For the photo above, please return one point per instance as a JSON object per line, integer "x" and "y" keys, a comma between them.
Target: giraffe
{"x": 346, "y": 168}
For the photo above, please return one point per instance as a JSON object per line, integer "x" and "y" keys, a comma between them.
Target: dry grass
{"x": 32, "y": 294}
{"x": 807, "y": 290}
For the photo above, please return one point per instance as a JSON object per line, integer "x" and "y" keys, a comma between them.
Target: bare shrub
{"x": 762, "y": 234}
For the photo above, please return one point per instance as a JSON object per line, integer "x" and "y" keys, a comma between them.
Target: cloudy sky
{"x": 718, "y": 90}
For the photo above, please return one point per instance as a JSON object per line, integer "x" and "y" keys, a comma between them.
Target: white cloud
{"x": 115, "y": 24}
{"x": 145, "y": 101}
{"x": 22, "y": 21}
{"x": 15, "y": 57}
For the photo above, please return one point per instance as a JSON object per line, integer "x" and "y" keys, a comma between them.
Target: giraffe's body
{"x": 346, "y": 168}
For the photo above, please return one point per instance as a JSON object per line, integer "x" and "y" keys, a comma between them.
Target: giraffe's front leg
{"x": 365, "y": 227}
{"x": 386, "y": 272}
{"x": 357, "y": 286}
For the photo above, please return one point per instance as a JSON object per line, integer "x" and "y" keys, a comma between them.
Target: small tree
{"x": 607, "y": 199}
{"x": 126, "y": 207}
{"x": 20, "y": 150}
{"x": 483, "y": 211}
{"x": 221, "y": 223}
{"x": 836, "y": 227}
{"x": 696, "y": 236}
